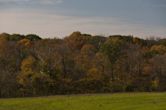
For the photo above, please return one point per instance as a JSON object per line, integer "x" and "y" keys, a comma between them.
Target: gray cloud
{"x": 49, "y": 25}
{"x": 44, "y": 2}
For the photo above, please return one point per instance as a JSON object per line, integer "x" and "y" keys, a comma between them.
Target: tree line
{"x": 80, "y": 63}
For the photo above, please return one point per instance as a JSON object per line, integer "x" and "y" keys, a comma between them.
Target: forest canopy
{"x": 80, "y": 63}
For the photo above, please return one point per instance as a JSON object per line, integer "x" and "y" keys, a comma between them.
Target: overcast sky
{"x": 58, "y": 18}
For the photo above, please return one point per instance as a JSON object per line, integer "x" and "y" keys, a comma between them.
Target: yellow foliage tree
{"x": 94, "y": 73}
{"x": 27, "y": 72}
{"x": 160, "y": 49}
{"x": 25, "y": 43}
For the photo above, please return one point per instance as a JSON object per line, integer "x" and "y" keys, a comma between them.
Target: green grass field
{"x": 126, "y": 101}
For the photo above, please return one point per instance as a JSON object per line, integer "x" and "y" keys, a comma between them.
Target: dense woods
{"x": 80, "y": 63}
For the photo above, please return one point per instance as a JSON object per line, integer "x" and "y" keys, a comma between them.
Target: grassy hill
{"x": 127, "y": 101}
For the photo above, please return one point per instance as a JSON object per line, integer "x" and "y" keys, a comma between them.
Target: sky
{"x": 59, "y": 18}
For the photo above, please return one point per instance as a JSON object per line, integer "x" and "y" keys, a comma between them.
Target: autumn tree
{"x": 76, "y": 40}
{"x": 80, "y": 63}
{"x": 9, "y": 68}
{"x": 112, "y": 49}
